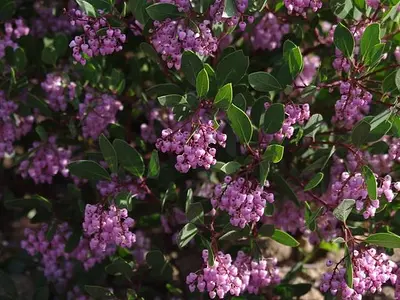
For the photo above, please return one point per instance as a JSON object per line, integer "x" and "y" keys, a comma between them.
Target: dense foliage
{"x": 161, "y": 149}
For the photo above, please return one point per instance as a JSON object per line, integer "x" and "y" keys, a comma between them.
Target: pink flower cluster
{"x": 397, "y": 54}
{"x": 171, "y": 220}
{"x": 58, "y": 265}
{"x": 394, "y": 149}
{"x": 217, "y": 13}
{"x": 370, "y": 271}
{"x": 268, "y": 33}
{"x": 233, "y": 277}
{"x": 381, "y": 164}
{"x": 287, "y": 217}
{"x": 300, "y": 7}
{"x": 354, "y": 187}
{"x": 108, "y": 227}
{"x": 311, "y": 65}
{"x": 92, "y": 42}
{"x": 12, "y": 126}
{"x": 342, "y": 63}
{"x": 295, "y": 114}
{"x": 12, "y": 31}
{"x": 48, "y": 21}
{"x": 183, "y": 5}
{"x": 96, "y": 113}
{"x": 373, "y": 3}
{"x": 134, "y": 186}
{"x": 46, "y": 161}
{"x": 58, "y": 91}
{"x": 76, "y": 294}
{"x": 243, "y": 200}
{"x": 162, "y": 115}
{"x": 353, "y": 105}
{"x": 192, "y": 148}
{"x": 142, "y": 246}
{"x": 328, "y": 228}
{"x": 171, "y": 37}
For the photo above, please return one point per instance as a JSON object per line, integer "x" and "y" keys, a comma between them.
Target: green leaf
{"x": 292, "y": 291}
{"x": 273, "y": 118}
{"x": 343, "y": 210}
{"x": 240, "y": 101}
{"x": 223, "y": 99}
{"x": 109, "y": 154}
{"x": 49, "y": 55}
{"x": 293, "y": 57}
{"x": 284, "y": 187}
{"x": 344, "y": 40}
{"x": 87, "y": 8}
{"x": 360, "y": 5}
{"x": 229, "y": 9}
{"x": 310, "y": 217}
{"x": 234, "y": 233}
{"x": 274, "y": 153}
{"x": 41, "y": 133}
{"x": 264, "y": 82}
{"x": 124, "y": 200}
{"x": 164, "y": 89}
{"x": 189, "y": 199}
{"x": 20, "y": 60}
{"x": 88, "y": 169}
{"x": 129, "y": 158}
{"x": 117, "y": 82}
{"x": 313, "y": 125}
{"x": 161, "y": 11}
{"x": 228, "y": 168}
{"x": 138, "y": 9}
{"x": 341, "y": 8}
{"x": 61, "y": 44}
{"x": 8, "y": 291}
{"x": 284, "y": 238}
{"x": 37, "y": 103}
{"x": 191, "y": 65}
{"x": 374, "y": 56}
{"x": 154, "y": 165}
{"x": 349, "y": 267}
{"x": 202, "y": 83}
{"x": 264, "y": 171}
{"x": 34, "y": 202}
{"x": 397, "y": 79}
{"x": 99, "y": 292}
{"x": 369, "y": 39}
{"x": 387, "y": 240}
{"x": 170, "y": 194}
{"x": 41, "y": 293}
{"x": 391, "y": 83}
{"x": 360, "y": 132}
{"x": 170, "y": 100}
{"x": 187, "y": 233}
{"x": 379, "y": 131}
{"x": 266, "y": 230}
{"x": 195, "y": 213}
{"x": 155, "y": 259}
{"x": 7, "y": 9}
{"x": 240, "y": 123}
{"x": 232, "y": 68}
{"x": 314, "y": 181}
{"x": 73, "y": 241}
{"x": 150, "y": 52}
{"x": 370, "y": 181}
{"x": 51, "y": 231}
{"x": 119, "y": 266}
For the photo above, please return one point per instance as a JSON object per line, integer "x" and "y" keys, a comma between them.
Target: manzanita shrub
{"x": 157, "y": 149}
